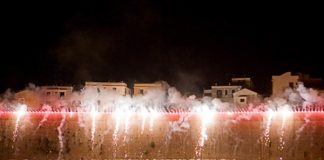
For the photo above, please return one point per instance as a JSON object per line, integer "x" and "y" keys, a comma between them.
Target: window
{"x": 114, "y": 88}
{"x": 242, "y": 100}
{"x": 219, "y": 93}
{"x": 48, "y": 93}
{"x": 291, "y": 84}
{"x": 225, "y": 92}
{"x": 233, "y": 91}
{"x": 62, "y": 94}
{"x": 141, "y": 91}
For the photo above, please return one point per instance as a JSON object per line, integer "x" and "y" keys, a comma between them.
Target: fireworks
{"x": 94, "y": 114}
{"x": 204, "y": 116}
{"x": 19, "y": 113}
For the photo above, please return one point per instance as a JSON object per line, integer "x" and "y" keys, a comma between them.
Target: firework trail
{"x": 22, "y": 110}
{"x": 117, "y": 116}
{"x": 94, "y": 114}
{"x": 206, "y": 117}
{"x": 267, "y": 129}
{"x": 45, "y": 108}
{"x": 60, "y": 135}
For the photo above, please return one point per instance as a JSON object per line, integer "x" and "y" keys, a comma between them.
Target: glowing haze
{"x": 168, "y": 99}
{"x": 89, "y": 105}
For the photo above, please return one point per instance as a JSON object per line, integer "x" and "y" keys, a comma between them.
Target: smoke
{"x": 310, "y": 96}
{"x": 189, "y": 82}
{"x": 300, "y": 129}
{"x": 5, "y": 99}
{"x": 161, "y": 100}
{"x": 181, "y": 125}
{"x": 165, "y": 99}
{"x": 238, "y": 141}
{"x": 299, "y": 98}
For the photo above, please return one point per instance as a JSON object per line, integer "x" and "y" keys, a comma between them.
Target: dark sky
{"x": 190, "y": 45}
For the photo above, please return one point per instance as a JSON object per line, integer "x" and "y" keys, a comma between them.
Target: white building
{"x": 119, "y": 87}
{"x": 142, "y": 88}
{"x": 225, "y": 93}
{"x": 284, "y": 81}
{"x": 244, "y": 96}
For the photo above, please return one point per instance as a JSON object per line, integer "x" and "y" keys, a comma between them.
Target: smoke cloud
{"x": 166, "y": 99}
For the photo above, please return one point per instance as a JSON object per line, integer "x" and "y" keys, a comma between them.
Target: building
{"x": 310, "y": 82}
{"x": 119, "y": 87}
{"x": 142, "y": 88}
{"x": 225, "y": 93}
{"x": 284, "y": 81}
{"x": 57, "y": 91}
{"x": 245, "y": 82}
{"x": 56, "y": 96}
{"x": 29, "y": 97}
{"x": 244, "y": 96}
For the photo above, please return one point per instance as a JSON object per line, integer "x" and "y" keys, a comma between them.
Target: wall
{"x": 280, "y": 83}
{"x": 120, "y": 87}
{"x": 145, "y": 87}
{"x": 29, "y": 97}
{"x": 230, "y": 136}
{"x": 225, "y": 97}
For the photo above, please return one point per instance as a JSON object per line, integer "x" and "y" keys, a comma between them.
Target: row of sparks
{"x": 94, "y": 112}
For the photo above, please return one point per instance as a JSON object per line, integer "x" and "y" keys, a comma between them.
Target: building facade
{"x": 142, "y": 88}
{"x": 245, "y": 82}
{"x": 224, "y": 93}
{"x": 29, "y": 97}
{"x": 284, "y": 81}
{"x": 57, "y": 91}
{"x": 55, "y": 96}
{"x": 244, "y": 96}
{"x": 119, "y": 87}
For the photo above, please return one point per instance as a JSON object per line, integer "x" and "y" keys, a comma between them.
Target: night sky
{"x": 189, "y": 45}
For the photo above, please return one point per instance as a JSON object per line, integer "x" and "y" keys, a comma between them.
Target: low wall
{"x": 169, "y": 136}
